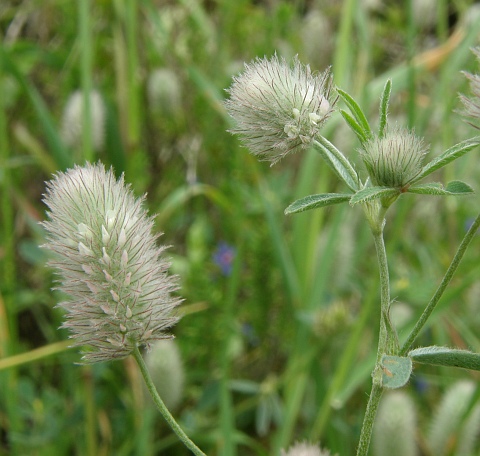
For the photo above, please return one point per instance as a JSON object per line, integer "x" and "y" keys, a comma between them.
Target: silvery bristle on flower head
{"x": 472, "y": 104}
{"x": 279, "y": 108}
{"x": 305, "y": 449}
{"x": 72, "y": 120}
{"x": 395, "y": 159}
{"x": 108, "y": 264}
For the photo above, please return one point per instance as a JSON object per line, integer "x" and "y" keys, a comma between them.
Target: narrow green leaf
{"x": 384, "y": 101}
{"x": 354, "y": 126}
{"x": 60, "y": 154}
{"x": 371, "y": 193}
{"x": 448, "y": 156}
{"x": 396, "y": 371}
{"x": 454, "y": 188}
{"x": 356, "y": 112}
{"x": 338, "y": 162}
{"x": 316, "y": 201}
{"x": 444, "y": 356}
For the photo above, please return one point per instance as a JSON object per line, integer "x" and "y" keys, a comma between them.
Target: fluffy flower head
{"x": 278, "y": 108}
{"x": 108, "y": 263}
{"x": 395, "y": 159}
{"x": 472, "y": 105}
{"x": 305, "y": 449}
{"x": 72, "y": 120}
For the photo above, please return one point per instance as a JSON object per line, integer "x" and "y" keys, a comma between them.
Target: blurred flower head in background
{"x": 223, "y": 257}
{"x": 72, "y": 120}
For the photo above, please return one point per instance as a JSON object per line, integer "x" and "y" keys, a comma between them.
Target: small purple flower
{"x": 223, "y": 257}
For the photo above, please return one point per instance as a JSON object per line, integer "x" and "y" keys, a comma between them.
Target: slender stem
{"x": 86, "y": 75}
{"x": 161, "y": 406}
{"x": 383, "y": 342}
{"x": 369, "y": 419}
{"x": 441, "y": 288}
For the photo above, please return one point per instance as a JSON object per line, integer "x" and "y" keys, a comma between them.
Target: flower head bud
{"x": 394, "y": 431}
{"x": 166, "y": 368}
{"x": 277, "y": 108}
{"x": 395, "y": 159}
{"x": 118, "y": 295}
{"x": 72, "y": 121}
{"x": 164, "y": 92}
{"x": 305, "y": 449}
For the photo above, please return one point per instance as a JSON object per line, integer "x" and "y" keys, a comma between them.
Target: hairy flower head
{"x": 72, "y": 120}
{"x": 395, "y": 159}
{"x": 472, "y": 105}
{"x": 108, "y": 263}
{"x": 165, "y": 364}
{"x": 305, "y": 449}
{"x": 278, "y": 108}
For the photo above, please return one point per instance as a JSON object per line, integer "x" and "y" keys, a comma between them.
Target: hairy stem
{"x": 383, "y": 341}
{"x": 161, "y": 406}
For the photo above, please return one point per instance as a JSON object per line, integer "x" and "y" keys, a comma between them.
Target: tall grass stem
{"x": 85, "y": 36}
{"x": 441, "y": 288}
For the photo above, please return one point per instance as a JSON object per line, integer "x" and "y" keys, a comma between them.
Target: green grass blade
{"x": 57, "y": 149}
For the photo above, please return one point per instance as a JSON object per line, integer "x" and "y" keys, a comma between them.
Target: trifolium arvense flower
{"x": 279, "y": 108}
{"x": 72, "y": 119}
{"x": 108, "y": 264}
{"x": 395, "y": 159}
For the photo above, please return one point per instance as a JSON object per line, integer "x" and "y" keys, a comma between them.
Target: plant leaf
{"x": 357, "y": 129}
{"x": 448, "y": 156}
{"x": 371, "y": 193}
{"x": 454, "y": 188}
{"x": 356, "y": 112}
{"x": 387, "y": 90}
{"x": 316, "y": 201}
{"x": 444, "y": 356}
{"x": 396, "y": 371}
{"x": 338, "y": 162}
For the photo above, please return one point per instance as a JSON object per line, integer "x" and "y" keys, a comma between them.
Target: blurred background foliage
{"x": 278, "y": 335}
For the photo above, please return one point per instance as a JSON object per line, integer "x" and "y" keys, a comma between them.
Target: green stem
{"x": 161, "y": 406}
{"x": 86, "y": 75}
{"x": 441, "y": 288}
{"x": 369, "y": 419}
{"x": 383, "y": 341}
